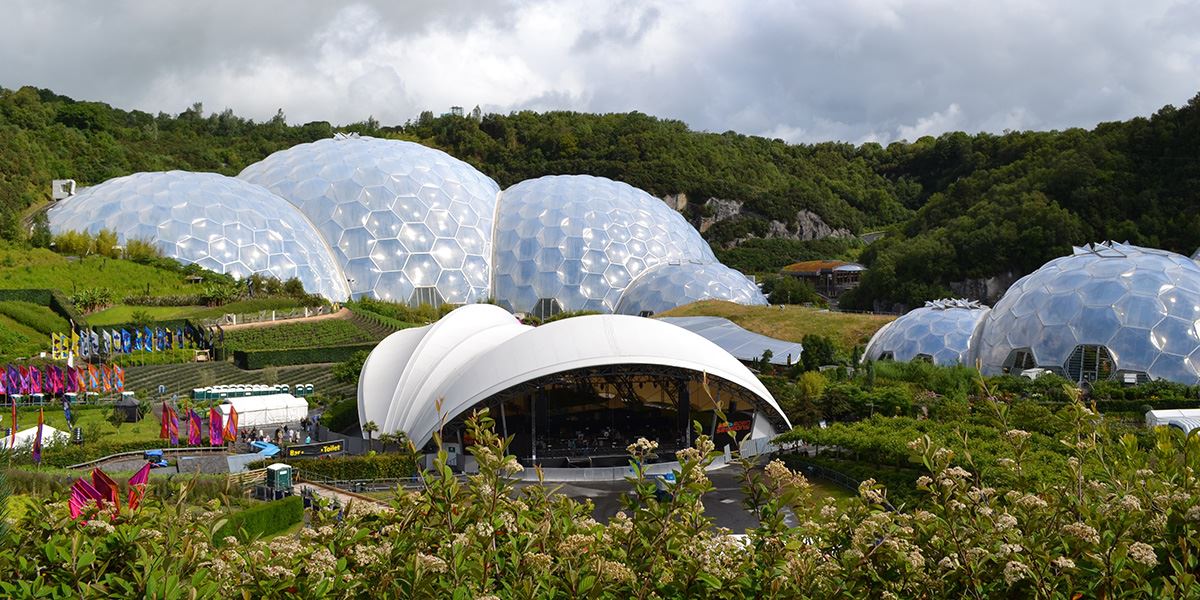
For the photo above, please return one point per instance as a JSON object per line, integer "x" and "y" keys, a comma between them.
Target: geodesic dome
{"x": 1107, "y": 310}
{"x": 941, "y": 332}
{"x": 220, "y": 223}
{"x": 407, "y": 223}
{"x": 674, "y": 284}
{"x": 575, "y": 242}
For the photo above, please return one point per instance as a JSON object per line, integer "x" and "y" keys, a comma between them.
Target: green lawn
{"x": 18, "y": 340}
{"x": 89, "y": 417}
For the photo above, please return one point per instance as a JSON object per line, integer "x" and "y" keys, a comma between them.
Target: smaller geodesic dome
{"x": 1108, "y": 310}
{"x": 220, "y": 223}
{"x": 675, "y": 284}
{"x": 940, "y": 332}
{"x": 576, "y": 242}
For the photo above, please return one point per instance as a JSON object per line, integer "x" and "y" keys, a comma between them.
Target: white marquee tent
{"x": 25, "y": 437}
{"x": 272, "y": 409}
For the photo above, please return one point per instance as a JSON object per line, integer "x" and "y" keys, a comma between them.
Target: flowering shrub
{"x": 1123, "y": 522}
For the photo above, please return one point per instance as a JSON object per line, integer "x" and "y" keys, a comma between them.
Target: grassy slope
{"x": 145, "y": 429}
{"x": 39, "y": 268}
{"x": 124, "y": 313}
{"x": 17, "y": 339}
{"x": 790, "y": 322}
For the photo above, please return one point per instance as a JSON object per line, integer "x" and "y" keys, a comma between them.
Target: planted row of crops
{"x": 312, "y": 334}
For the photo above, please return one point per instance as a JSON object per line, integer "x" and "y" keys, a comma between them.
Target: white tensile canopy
{"x": 417, "y": 378}
{"x": 272, "y": 409}
{"x": 25, "y": 437}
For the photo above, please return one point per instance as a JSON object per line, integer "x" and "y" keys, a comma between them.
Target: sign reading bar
{"x": 320, "y": 449}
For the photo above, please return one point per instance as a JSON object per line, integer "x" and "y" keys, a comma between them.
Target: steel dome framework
{"x": 940, "y": 332}
{"x": 220, "y": 223}
{"x": 1107, "y": 310}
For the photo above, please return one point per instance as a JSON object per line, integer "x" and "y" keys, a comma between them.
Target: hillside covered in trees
{"x": 956, "y": 207}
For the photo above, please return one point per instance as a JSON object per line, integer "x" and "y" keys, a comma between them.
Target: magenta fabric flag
{"x": 193, "y": 428}
{"x": 3, "y": 382}
{"x": 173, "y": 426}
{"x": 35, "y": 380}
{"x": 37, "y": 439}
{"x": 83, "y": 492}
{"x": 216, "y": 429}
{"x": 137, "y": 486}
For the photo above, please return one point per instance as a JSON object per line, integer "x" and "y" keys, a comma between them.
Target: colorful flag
{"x": 93, "y": 378}
{"x": 37, "y": 439}
{"x": 35, "y": 380}
{"x": 231, "y": 425}
{"x": 83, "y": 492}
{"x": 74, "y": 346}
{"x": 148, "y": 340}
{"x": 3, "y": 382}
{"x": 67, "y": 413}
{"x": 106, "y": 377}
{"x": 137, "y": 486}
{"x": 12, "y": 442}
{"x": 14, "y": 380}
{"x": 173, "y": 426}
{"x": 105, "y": 342}
{"x": 119, "y": 378}
{"x": 126, "y": 341}
{"x": 81, "y": 378}
{"x": 193, "y": 428}
{"x": 107, "y": 487}
{"x": 179, "y": 338}
{"x": 24, "y": 371}
{"x": 216, "y": 432}
{"x": 163, "y": 421}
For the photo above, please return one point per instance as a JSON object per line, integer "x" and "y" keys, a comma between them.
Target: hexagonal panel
{"x": 436, "y": 208}
{"x": 941, "y": 330}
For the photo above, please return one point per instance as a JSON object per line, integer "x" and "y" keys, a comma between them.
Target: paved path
{"x": 333, "y": 493}
{"x": 344, "y": 313}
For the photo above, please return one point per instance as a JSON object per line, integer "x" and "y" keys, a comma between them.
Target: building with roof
{"x": 743, "y": 344}
{"x": 572, "y": 392}
{"x": 1186, "y": 420}
{"x": 828, "y": 277}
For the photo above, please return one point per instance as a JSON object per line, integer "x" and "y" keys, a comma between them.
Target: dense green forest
{"x": 955, "y": 207}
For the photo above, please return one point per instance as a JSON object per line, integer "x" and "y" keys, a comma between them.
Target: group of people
{"x": 282, "y": 435}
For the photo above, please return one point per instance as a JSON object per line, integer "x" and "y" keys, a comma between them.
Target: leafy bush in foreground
{"x": 1123, "y": 523}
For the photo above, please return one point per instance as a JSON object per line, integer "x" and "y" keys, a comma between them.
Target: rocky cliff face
{"x": 806, "y": 225}
{"x": 987, "y": 290}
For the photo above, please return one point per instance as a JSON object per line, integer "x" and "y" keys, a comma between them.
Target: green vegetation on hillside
{"x": 314, "y": 334}
{"x": 954, "y": 207}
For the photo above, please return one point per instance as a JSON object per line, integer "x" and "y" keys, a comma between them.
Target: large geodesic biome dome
{"x": 407, "y": 223}
{"x": 220, "y": 223}
{"x": 1108, "y": 310}
{"x": 576, "y": 242}
{"x": 939, "y": 332}
{"x": 583, "y": 387}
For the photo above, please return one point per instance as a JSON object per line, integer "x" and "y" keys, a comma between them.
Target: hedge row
{"x": 378, "y": 318}
{"x": 262, "y": 520}
{"x": 52, "y": 298}
{"x": 258, "y": 359}
{"x": 174, "y": 300}
{"x": 376, "y": 466}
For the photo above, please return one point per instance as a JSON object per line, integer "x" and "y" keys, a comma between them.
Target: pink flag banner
{"x": 216, "y": 429}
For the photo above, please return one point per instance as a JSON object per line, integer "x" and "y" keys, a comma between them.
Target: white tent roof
{"x": 479, "y": 350}
{"x": 1186, "y": 419}
{"x": 266, "y": 409}
{"x": 25, "y": 436}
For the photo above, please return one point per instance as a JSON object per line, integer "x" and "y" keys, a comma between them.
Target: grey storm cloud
{"x": 804, "y": 70}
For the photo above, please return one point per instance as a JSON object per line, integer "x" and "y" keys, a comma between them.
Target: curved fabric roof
{"x": 418, "y": 378}
{"x": 742, "y": 343}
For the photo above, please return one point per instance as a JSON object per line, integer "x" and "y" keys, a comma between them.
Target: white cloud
{"x": 857, "y": 71}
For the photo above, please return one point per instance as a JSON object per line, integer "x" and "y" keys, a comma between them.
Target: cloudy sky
{"x": 808, "y": 70}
